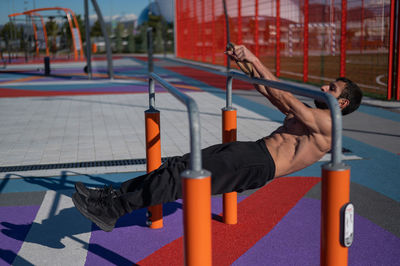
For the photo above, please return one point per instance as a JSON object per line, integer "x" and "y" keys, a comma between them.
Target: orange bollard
{"x": 153, "y": 156}
{"x": 197, "y": 220}
{"x": 229, "y": 132}
{"x": 335, "y": 195}
{"x": 94, "y": 48}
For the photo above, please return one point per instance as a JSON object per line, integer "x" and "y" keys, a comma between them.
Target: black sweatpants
{"x": 235, "y": 166}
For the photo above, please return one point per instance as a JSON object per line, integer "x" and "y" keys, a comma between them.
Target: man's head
{"x": 347, "y": 93}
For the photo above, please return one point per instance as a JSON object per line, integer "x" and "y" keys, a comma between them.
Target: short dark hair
{"x": 352, "y": 93}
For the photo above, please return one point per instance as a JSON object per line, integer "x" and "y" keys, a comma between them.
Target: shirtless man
{"x": 302, "y": 140}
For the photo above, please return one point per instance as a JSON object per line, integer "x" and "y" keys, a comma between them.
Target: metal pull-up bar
{"x": 196, "y": 182}
{"x": 337, "y": 212}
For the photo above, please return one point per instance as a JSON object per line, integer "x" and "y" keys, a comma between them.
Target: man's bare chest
{"x": 294, "y": 127}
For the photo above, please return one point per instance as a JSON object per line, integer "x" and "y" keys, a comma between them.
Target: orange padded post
{"x": 197, "y": 220}
{"x": 153, "y": 156}
{"x": 94, "y": 48}
{"x": 335, "y": 194}
{"x": 229, "y": 132}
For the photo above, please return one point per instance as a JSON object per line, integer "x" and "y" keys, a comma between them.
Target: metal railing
{"x": 196, "y": 182}
{"x": 194, "y": 118}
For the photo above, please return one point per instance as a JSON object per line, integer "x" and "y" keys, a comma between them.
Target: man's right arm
{"x": 285, "y": 101}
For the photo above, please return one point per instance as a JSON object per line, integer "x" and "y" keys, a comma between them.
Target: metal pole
{"x": 196, "y": 189}
{"x": 153, "y": 156}
{"x": 195, "y": 31}
{"x": 203, "y": 52}
{"x": 362, "y": 27}
{"x": 397, "y": 40}
{"x": 240, "y": 22}
{"x": 278, "y": 39}
{"x": 106, "y": 39}
{"x": 213, "y": 30}
{"x": 150, "y": 66}
{"x": 256, "y": 29}
{"x": 391, "y": 48}
{"x": 228, "y": 35}
{"x": 177, "y": 27}
{"x": 229, "y": 133}
{"x": 335, "y": 195}
{"x": 153, "y": 137}
{"x": 305, "y": 48}
{"x": 88, "y": 46}
{"x": 229, "y": 81}
{"x": 343, "y": 31}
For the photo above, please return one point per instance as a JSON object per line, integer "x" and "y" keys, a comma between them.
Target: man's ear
{"x": 343, "y": 103}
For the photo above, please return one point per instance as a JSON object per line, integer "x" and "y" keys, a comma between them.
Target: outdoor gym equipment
{"x": 196, "y": 182}
{"x": 337, "y": 212}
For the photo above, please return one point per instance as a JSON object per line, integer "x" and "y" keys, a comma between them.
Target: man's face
{"x": 334, "y": 88}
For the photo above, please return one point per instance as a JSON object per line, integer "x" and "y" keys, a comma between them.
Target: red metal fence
{"x": 310, "y": 40}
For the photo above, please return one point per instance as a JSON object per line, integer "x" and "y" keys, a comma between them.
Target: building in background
{"x": 159, "y": 15}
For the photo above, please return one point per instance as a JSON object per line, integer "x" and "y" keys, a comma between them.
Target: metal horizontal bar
{"x": 310, "y": 92}
{"x": 194, "y": 121}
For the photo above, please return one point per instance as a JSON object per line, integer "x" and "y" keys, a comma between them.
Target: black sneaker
{"x": 104, "y": 211}
{"x": 95, "y": 193}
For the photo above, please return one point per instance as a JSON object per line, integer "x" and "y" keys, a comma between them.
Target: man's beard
{"x": 321, "y": 105}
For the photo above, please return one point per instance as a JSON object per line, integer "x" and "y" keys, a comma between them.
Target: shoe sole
{"x": 81, "y": 189}
{"x": 76, "y": 199}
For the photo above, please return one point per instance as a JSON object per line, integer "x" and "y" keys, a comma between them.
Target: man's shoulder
{"x": 323, "y": 120}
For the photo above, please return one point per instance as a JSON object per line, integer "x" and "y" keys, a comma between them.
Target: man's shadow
{"x": 68, "y": 222}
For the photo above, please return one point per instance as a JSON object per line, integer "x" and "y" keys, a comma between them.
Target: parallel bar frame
{"x": 194, "y": 120}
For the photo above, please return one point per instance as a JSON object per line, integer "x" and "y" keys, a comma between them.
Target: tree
{"x": 7, "y": 32}
{"x": 118, "y": 37}
{"x": 162, "y": 31}
{"x": 52, "y": 31}
{"x": 21, "y": 38}
{"x": 131, "y": 43}
{"x": 95, "y": 31}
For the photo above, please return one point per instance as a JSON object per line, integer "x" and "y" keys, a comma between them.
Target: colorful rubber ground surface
{"x": 279, "y": 224}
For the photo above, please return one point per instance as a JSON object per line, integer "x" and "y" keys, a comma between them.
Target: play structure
{"x": 337, "y": 220}
{"x": 41, "y": 36}
{"x": 72, "y": 22}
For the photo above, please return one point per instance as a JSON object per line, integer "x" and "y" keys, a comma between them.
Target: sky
{"x": 109, "y": 8}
